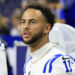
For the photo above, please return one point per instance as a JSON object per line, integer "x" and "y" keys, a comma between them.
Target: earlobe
{"x": 47, "y": 28}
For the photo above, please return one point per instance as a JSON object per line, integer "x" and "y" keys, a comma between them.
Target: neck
{"x": 38, "y": 44}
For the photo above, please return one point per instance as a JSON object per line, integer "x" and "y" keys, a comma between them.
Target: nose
{"x": 26, "y": 26}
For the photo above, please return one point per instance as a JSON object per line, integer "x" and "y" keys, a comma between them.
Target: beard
{"x": 34, "y": 39}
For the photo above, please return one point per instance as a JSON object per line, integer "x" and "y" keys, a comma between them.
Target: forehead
{"x": 32, "y": 13}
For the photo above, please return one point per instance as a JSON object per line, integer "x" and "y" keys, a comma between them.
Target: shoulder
{"x": 63, "y": 64}
{"x": 57, "y": 50}
{"x": 68, "y": 63}
{"x": 59, "y": 62}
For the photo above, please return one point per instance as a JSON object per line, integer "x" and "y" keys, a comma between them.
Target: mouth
{"x": 26, "y": 34}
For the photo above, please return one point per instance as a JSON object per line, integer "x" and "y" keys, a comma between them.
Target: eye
{"x": 23, "y": 21}
{"x": 33, "y": 21}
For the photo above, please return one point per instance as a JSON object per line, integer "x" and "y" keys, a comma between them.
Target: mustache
{"x": 26, "y": 31}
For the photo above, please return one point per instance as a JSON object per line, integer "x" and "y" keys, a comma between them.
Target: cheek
{"x": 36, "y": 31}
{"x": 37, "y": 27}
{"x": 21, "y": 28}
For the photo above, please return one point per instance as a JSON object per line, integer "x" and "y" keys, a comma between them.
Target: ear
{"x": 47, "y": 28}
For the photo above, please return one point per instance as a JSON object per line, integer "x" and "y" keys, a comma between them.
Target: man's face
{"x": 32, "y": 25}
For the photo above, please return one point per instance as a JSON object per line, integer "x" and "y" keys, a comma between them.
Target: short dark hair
{"x": 45, "y": 11}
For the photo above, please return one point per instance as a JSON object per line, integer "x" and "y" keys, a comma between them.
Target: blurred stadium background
{"x": 10, "y": 16}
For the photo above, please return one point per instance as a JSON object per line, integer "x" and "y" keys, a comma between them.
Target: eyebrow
{"x": 29, "y": 19}
{"x": 22, "y": 19}
{"x": 32, "y": 19}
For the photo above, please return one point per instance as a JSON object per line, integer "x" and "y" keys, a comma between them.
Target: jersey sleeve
{"x": 65, "y": 65}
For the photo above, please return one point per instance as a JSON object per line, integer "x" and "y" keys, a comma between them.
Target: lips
{"x": 26, "y": 34}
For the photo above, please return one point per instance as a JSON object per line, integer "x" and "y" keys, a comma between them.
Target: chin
{"x": 27, "y": 41}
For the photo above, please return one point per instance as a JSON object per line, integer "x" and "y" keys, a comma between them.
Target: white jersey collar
{"x": 40, "y": 52}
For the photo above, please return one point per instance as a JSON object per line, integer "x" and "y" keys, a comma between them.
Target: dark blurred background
{"x": 10, "y": 13}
